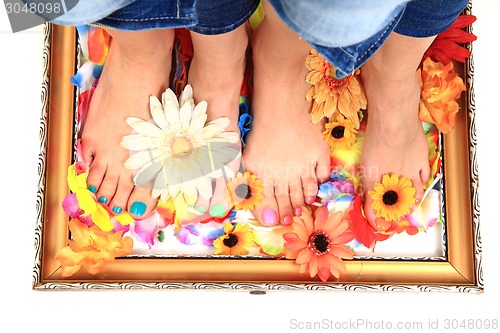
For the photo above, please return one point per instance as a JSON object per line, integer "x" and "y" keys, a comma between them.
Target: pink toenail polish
{"x": 310, "y": 200}
{"x": 287, "y": 220}
{"x": 269, "y": 216}
{"x": 297, "y": 211}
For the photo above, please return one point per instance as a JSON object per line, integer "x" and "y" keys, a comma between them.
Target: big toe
{"x": 267, "y": 211}
{"x": 141, "y": 203}
{"x": 377, "y": 223}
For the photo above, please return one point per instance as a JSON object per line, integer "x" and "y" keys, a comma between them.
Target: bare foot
{"x": 394, "y": 139}
{"x": 137, "y": 66}
{"x": 284, "y": 148}
{"x": 216, "y": 75}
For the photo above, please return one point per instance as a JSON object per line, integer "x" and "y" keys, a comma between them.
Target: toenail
{"x": 287, "y": 220}
{"x": 201, "y": 209}
{"x": 382, "y": 224}
{"x": 310, "y": 200}
{"x": 103, "y": 199}
{"x": 138, "y": 208}
{"x": 269, "y": 216}
{"x": 218, "y": 210}
{"x": 117, "y": 210}
{"x": 92, "y": 188}
{"x": 297, "y": 211}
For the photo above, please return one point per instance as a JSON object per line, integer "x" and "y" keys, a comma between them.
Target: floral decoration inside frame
{"x": 328, "y": 231}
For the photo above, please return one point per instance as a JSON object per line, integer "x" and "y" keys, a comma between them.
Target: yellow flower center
{"x": 181, "y": 146}
{"x": 390, "y": 198}
{"x": 319, "y": 243}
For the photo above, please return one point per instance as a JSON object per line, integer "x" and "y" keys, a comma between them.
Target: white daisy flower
{"x": 178, "y": 151}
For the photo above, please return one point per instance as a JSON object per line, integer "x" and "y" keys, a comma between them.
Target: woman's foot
{"x": 394, "y": 139}
{"x": 284, "y": 148}
{"x": 216, "y": 75}
{"x": 137, "y": 66}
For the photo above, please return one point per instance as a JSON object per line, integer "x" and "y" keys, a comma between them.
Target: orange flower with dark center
{"x": 332, "y": 96}
{"x": 440, "y": 87}
{"x": 319, "y": 246}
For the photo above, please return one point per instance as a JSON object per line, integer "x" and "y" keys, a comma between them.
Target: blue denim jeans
{"x": 346, "y": 33}
{"x": 207, "y": 17}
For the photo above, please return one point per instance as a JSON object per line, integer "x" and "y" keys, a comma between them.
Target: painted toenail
{"x": 103, "y": 199}
{"x": 138, "y": 208}
{"x": 201, "y": 209}
{"x": 269, "y": 216}
{"x": 218, "y": 210}
{"x": 117, "y": 210}
{"x": 92, "y": 188}
{"x": 297, "y": 211}
{"x": 310, "y": 200}
{"x": 287, "y": 220}
{"x": 382, "y": 224}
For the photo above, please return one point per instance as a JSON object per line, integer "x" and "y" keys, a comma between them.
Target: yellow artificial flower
{"x": 393, "y": 198}
{"x": 340, "y": 133}
{"x": 235, "y": 241}
{"x": 330, "y": 95}
{"x": 245, "y": 191}
{"x": 77, "y": 183}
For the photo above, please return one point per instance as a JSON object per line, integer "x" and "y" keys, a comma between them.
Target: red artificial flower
{"x": 447, "y": 46}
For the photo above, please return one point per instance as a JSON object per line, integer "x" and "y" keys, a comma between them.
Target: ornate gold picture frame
{"x": 458, "y": 270}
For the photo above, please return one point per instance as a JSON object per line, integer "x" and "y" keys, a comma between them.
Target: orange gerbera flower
{"x": 319, "y": 245}
{"x": 91, "y": 248}
{"x": 440, "y": 87}
{"x": 393, "y": 198}
{"x": 330, "y": 95}
{"x": 340, "y": 133}
{"x": 245, "y": 191}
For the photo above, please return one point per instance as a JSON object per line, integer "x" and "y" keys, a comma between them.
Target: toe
{"x": 282, "y": 194}
{"x": 310, "y": 188}
{"x": 323, "y": 171}
{"x": 140, "y": 203}
{"x": 107, "y": 188}
{"x": 419, "y": 189}
{"x": 87, "y": 152}
{"x": 369, "y": 212}
{"x": 202, "y": 204}
{"x": 125, "y": 186}
{"x": 267, "y": 212}
{"x": 296, "y": 196}
{"x": 219, "y": 203}
{"x": 96, "y": 174}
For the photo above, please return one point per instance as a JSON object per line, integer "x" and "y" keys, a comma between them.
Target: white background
{"x": 127, "y": 311}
